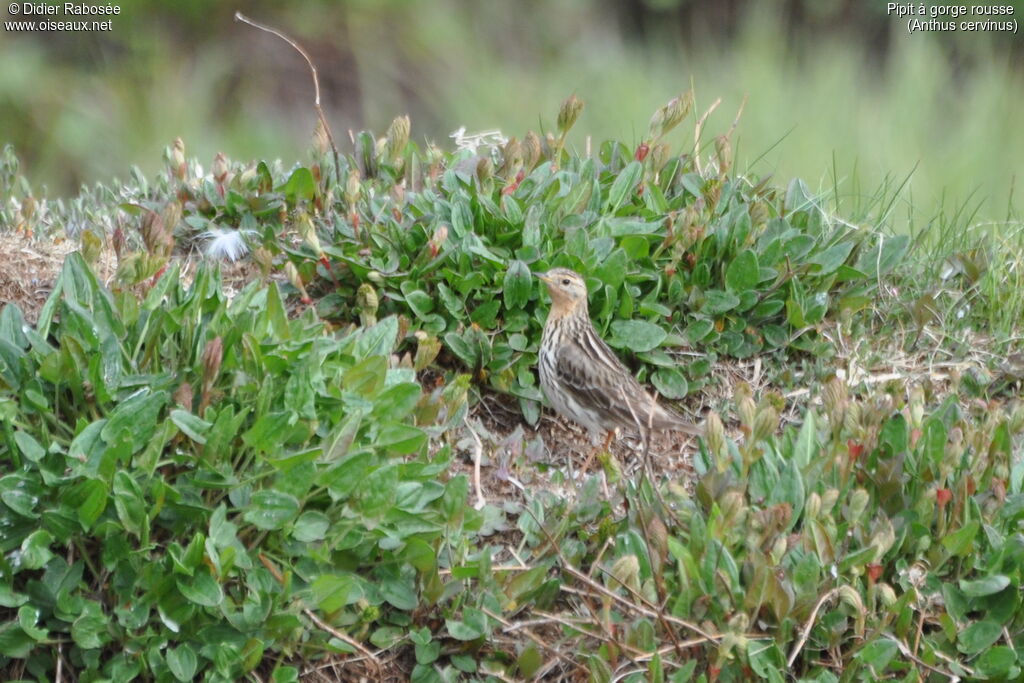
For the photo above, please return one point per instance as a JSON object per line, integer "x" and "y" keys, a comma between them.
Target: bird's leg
{"x": 598, "y": 449}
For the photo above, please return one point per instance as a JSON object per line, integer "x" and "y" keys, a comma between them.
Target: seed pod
{"x": 670, "y": 115}
{"x": 886, "y": 594}
{"x": 834, "y": 399}
{"x": 813, "y": 507}
{"x": 660, "y": 154}
{"x": 765, "y": 422}
{"x": 398, "y": 137}
{"x": 859, "y": 500}
{"x": 849, "y": 596}
{"x": 484, "y": 169}
{"x": 427, "y": 348}
{"x": 213, "y": 354}
{"x": 723, "y": 151}
{"x": 828, "y": 501}
{"x": 715, "y": 433}
{"x": 625, "y": 572}
{"x": 353, "y": 187}
{"x": 747, "y": 411}
{"x": 220, "y": 168}
{"x": 177, "y": 159}
{"x": 734, "y": 508}
{"x": 779, "y": 550}
{"x": 568, "y": 113}
{"x": 307, "y": 231}
{"x": 367, "y": 302}
{"x": 532, "y": 151}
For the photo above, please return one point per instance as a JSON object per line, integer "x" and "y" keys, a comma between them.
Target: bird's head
{"x": 567, "y": 288}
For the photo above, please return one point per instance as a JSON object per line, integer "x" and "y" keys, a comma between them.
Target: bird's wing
{"x": 598, "y": 380}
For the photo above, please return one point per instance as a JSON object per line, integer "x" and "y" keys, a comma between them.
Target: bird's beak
{"x": 543, "y": 277}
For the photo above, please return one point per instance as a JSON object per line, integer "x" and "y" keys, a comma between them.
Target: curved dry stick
{"x": 316, "y": 84}
{"x": 698, "y": 130}
{"x": 805, "y": 634}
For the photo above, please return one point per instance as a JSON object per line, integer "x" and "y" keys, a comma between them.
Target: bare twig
{"x": 508, "y": 626}
{"x": 806, "y": 631}
{"x": 276, "y": 573}
{"x": 640, "y": 609}
{"x": 917, "y": 660}
{"x": 697, "y": 132}
{"x": 347, "y": 639}
{"x": 739, "y": 113}
{"x": 478, "y": 453}
{"x": 316, "y": 84}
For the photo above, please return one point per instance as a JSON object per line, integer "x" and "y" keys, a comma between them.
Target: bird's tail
{"x": 664, "y": 419}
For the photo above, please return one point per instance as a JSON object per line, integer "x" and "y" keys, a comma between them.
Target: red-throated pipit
{"x": 583, "y": 379}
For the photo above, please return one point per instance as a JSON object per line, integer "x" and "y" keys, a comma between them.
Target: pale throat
{"x": 563, "y": 306}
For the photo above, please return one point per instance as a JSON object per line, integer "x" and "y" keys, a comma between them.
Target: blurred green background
{"x": 838, "y": 92}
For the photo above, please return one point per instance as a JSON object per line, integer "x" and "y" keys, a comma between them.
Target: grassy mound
{"x": 204, "y": 484}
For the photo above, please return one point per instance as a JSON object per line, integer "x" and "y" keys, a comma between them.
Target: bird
{"x": 582, "y": 377}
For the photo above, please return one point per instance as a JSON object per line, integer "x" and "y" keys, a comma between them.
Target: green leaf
{"x": 311, "y": 526}
{"x": 830, "y": 259}
{"x": 14, "y": 642}
{"x": 460, "y": 630}
{"x": 717, "y": 302}
{"x": 93, "y": 496}
{"x": 399, "y": 591}
{"x": 201, "y": 589}
{"x": 300, "y": 185}
{"x": 999, "y": 662}
{"x": 28, "y": 617}
{"x": 670, "y": 383}
{"x": 986, "y": 586}
{"x": 636, "y": 335}
{"x": 89, "y": 630}
{"x": 264, "y": 436}
{"x": 136, "y": 416}
{"x": 192, "y": 426}
{"x": 743, "y": 273}
{"x": 961, "y": 541}
{"x": 182, "y": 662}
{"x": 806, "y": 446}
{"x": 28, "y": 446}
{"x": 35, "y": 549}
{"x": 518, "y": 285}
{"x": 331, "y": 592}
{"x": 884, "y": 257}
{"x": 878, "y": 653}
{"x": 378, "y": 340}
{"x": 271, "y": 510}
{"x": 623, "y": 186}
{"x": 400, "y": 438}
{"x": 978, "y": 637}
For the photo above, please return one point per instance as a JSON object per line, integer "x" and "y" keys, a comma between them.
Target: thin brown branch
{"x": 276, "y": 573}
{"x": 697, "y": 131}
{"x": 478, "y": 454}
{"x": 917, "y": 660}
{"x": 640, "y": 609}
{"x": 316, "y": 84}
{"x": 536, "y": 639}
{"x": 347, "y": 639}
{"x": 806, "y": 631}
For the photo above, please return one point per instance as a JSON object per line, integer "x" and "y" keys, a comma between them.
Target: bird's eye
{"x": 565, "y": 281}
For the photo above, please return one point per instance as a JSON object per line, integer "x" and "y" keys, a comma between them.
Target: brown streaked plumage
{"x": 583, "y": 379}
